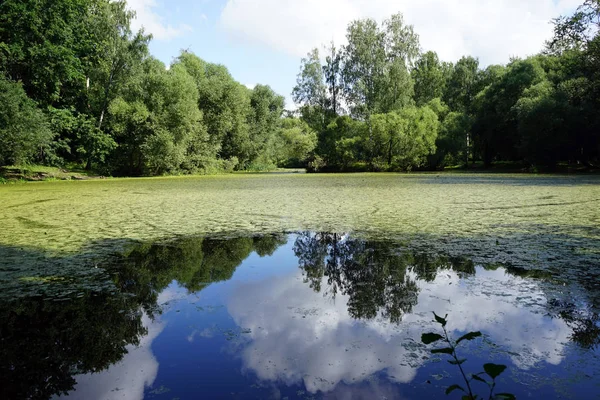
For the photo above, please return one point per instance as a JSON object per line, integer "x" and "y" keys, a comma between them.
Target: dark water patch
{"x": 30, "y": 203}
{"x": 33, "y": 224}
{"x": 570, "y": 203}
{"x": 514, "y": 180}
{"x": 306, "y": 315}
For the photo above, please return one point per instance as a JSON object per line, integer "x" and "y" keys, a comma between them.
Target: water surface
{"x": 308, "y": 315}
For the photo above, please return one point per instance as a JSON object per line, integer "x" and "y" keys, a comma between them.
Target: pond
{"x": 299, "y": 286}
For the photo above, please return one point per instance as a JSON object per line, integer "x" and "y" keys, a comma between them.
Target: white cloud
{"x": 152, "y": 22}
{"x": 492, "y": 30}
{"x": 299, "y": 336}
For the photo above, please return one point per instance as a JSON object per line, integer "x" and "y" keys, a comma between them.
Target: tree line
{"x": 79, "y": 88}
{"x": 380, "y": 103}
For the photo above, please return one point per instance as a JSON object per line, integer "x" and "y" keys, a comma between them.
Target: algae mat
{"x": 523, "y": 218}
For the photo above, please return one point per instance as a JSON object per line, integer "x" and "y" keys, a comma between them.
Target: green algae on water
{"x": 528, "y": 221}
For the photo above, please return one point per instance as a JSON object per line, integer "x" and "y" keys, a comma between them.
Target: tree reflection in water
{"x": 47, "y": 340}
{"x": 379, "y": 277}
{"x": 71, "y": 327}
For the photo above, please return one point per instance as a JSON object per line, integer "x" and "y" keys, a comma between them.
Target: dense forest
{"x": 380, "y": 103}
{"x": 79, "y": 88}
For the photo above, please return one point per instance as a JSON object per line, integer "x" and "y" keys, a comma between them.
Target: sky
{"x": 263, "y": 41}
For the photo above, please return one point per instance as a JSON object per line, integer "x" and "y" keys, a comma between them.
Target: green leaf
{"x": 505, "y": 396}
{"x": 453, "y": 388}
{"x": 447, "y": 350}
{"x": 480, "y": 379}
{"x": 429, "y": 338}
{"x": 469, "y": 336}
{"x": 440, "y": 320}
{"x": 459, "y": 362}
{"x": 494, "y": 370}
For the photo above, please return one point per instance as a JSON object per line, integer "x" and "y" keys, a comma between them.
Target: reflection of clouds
{"x": 204, "y": 333}
{"x": 301, "y": 336}
{"x": 372, "y": 390}
{"x": 172, "y": 293}
{"x": 509, "y": 309}
{"x": 126, "y": 379}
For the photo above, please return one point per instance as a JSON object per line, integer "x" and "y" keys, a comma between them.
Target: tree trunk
{"x": 106, "y": 94}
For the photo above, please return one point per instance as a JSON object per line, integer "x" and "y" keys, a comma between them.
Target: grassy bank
{"x": 36, "y": 173}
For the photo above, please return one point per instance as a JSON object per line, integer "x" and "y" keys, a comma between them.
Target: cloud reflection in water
{"x": 301, "y": 336}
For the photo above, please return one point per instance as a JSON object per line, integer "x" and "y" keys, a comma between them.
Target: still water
{"x": 299, "y": 316}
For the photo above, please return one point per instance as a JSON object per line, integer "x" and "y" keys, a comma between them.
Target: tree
{"x": 225, "y": 105}
{"x": 463, "y": 85}
{"x": 296, "y": 142}
{"x": 402, "y": 49}
{"x": 364, "y": 67}
{"x": 429, "y": 78}
{"x": 120, "y": 54}
{"x": 496, "y": 125}
{"x": 80, "y": 139}
{"x": 578, "y": 30}
{"x": 577, "y": 40}
{"x": 310, "y": 90}
{"x": 376, "y": 66}
{"x": 540, "y": 121}
{"x": 404, "y": 140}
{"x": 158, "y": 124}
{"x": 24, "y": 130}
{"x": 342, "y": 143}
{"x": 402, "y": 43}
{"x": 332, "y": 70}
{"x": 453, "y": 128}
{"x": 265, "y": 113}
{"x": 43, "y": 44}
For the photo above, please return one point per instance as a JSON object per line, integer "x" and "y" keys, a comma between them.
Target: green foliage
{"x": 452, "y": 142}
{"x": 266, "y": 108}
{"x": 429, "y": 77}
{"x": 496, "y": 124}
{"x": 102, "y": 102}
{"x": 310, "y": 90}
{"x": 158, "y": 124}
{"x": 463, "y": 85}
{"x": 539, "y": 111}
{"x": 24, "y": 130}
{"x": 225, "y": 105}
{"x": 113, "y": 108}
{"x": 297, "y": 141}
{"x": 81, "y": 141}
{"x": 493, "y": 371}
{"x": 404, "y": 140}
{"x": 342, "y": 143}
{"x": 376, "y": 66}
{"x": 429, "y": 338}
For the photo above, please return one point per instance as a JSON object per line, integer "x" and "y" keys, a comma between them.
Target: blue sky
{"x": 262, "y": 41}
